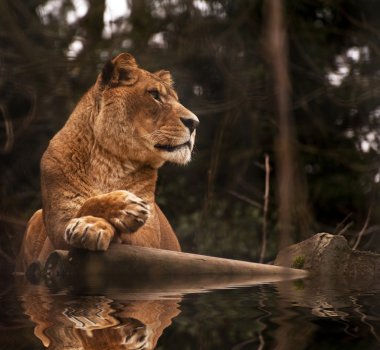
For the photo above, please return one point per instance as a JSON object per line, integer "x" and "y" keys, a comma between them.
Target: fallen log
{"x": 142, "y": 267}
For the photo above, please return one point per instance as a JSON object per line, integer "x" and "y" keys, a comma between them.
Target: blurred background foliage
{"x": 218, "y": 52}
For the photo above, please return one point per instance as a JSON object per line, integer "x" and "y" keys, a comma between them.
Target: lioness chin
{"x": 98, "y": 174}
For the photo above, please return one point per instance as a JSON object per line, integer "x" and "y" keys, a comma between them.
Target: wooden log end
{"x": 34, "y": 272}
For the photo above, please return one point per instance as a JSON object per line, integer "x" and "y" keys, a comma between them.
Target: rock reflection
{"x": 63, "y": 321}
{"x": 324, "y": 300}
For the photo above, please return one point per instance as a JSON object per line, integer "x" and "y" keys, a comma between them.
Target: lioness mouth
{"x": 169, "y": 148}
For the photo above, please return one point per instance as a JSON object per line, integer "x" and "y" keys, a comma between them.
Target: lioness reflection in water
{"x": 97, "y": 322}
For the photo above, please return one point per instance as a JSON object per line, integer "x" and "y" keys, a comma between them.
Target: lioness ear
{"x": 121, "y": 68}
{"x": 165, "y": 76}
{"x": 125, "y": 60}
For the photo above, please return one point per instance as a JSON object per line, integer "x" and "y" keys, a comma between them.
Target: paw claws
{"x": 70, "y": 230}
{"x": 143, "y": 204}
{"x": 98, "y": 239}
{"x": 89, "y": 232}
{"x": 84, "y": 234}
{"x": 131, "y": 217}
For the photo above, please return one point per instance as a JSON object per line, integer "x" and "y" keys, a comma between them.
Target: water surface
{"x": 284, "y": 315}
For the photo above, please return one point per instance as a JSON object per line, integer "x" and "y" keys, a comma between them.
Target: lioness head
{"x": 140, "y": 117}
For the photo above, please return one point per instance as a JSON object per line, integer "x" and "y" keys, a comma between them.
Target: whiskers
{"x": 153, "y": 135}
{"x": 157, "y": 136}
{"x": 167, "y": 136}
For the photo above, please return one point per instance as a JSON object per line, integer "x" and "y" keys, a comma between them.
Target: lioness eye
{"x": 155, "y": 94}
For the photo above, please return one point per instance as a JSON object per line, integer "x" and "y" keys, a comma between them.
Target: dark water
{"x": 283, "y": 315}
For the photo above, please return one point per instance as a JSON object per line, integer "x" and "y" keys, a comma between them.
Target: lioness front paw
{"x": 89, "y": 232}
{"x": 123, "y": 209}
{"x": 126, "y": 212}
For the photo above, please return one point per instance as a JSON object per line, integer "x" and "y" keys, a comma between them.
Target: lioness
{"x": 98, "y": 174}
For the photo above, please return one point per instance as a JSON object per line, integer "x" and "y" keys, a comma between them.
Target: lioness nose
{"x": 191, "y": 123}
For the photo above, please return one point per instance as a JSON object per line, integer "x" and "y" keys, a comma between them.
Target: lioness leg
{"x": 100, "y": 217}
{"x": 36, "y": 246}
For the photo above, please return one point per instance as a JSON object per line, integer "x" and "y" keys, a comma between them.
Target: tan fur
{"x": 98, "y": 174}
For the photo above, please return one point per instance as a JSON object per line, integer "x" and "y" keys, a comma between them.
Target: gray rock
{"x": 330, "y": 260}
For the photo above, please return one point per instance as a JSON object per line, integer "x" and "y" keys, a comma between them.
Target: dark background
{"x": 223, "y": 57}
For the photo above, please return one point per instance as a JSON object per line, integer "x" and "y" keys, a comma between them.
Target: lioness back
{"x": 99, "y": 172}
